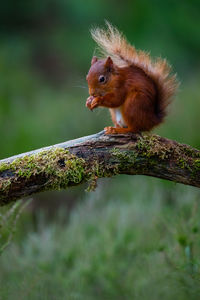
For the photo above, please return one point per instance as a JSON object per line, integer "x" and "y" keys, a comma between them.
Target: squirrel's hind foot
{"x": 118, "y": 130}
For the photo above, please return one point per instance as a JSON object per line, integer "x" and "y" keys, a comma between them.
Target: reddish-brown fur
{"x": 139, "y": 91}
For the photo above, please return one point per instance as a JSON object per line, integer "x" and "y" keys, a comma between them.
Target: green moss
{"x": 4, "y": 167}
{"x": 4, "y": 185}
{"x": 183, "y": 162}
{"x": 192, "y": 165}
{"x": 99, "y": 170}
{"x": 197, "y": 164}
{"x": 152, "y": 149}
{"x": 150, "y": 146}
{"x": 195, "y": 167}
{"x": 124, "y": 156}
{"x": 147, "y": 146}
{"x": 59, "y": 166}
{"x": 191, "y": 152}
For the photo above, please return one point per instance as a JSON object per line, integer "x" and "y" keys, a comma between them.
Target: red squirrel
{"x": 136, "y": 89}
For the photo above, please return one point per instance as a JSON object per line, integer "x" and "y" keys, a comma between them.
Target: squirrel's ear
{"x": 109, "y": 63}
{"x": 94, "y": 59}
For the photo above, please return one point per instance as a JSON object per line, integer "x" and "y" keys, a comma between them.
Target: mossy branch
{"x": 99, "y": 155}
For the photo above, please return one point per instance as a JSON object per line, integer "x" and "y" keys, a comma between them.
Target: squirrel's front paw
{"x": 89, "y": 102}
{"x": 94, "y": 104}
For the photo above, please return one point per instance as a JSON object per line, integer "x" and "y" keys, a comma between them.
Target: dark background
{"x": 134, "y": 236}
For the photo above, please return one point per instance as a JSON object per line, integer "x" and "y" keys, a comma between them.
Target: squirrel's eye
{"x": 101, "y": 78}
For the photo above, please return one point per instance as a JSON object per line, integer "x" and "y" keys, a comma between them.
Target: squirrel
{"x": 135, "y": 88}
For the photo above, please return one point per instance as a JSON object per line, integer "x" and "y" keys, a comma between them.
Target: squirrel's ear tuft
{"x": 94, "y": 59}
{"x": 109, "y": 63}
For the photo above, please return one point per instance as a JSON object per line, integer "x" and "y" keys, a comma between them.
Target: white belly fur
{"x": 119, "y": 118}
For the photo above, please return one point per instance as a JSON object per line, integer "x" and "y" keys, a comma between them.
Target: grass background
{"x": 134, "y": 237}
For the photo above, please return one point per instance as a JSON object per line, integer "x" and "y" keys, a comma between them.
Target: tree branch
{"x": 99, "y": 155}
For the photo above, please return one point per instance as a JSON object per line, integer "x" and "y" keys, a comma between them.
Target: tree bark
{"x": 99, "y": 155}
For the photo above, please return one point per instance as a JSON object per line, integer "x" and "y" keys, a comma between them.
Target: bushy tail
{"x": 112, "y": 43}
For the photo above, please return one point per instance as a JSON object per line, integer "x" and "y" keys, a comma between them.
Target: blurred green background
{"x": 134, "y": 237}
